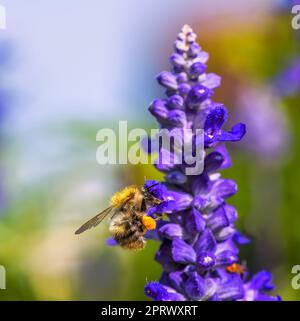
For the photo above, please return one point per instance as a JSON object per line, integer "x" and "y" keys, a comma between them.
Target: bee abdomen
{"x": 131, "y": 238}
{"x": 137, "y": 244}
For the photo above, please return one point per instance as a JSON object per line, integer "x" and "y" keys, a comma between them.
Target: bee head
{"x": 149, "y": 198}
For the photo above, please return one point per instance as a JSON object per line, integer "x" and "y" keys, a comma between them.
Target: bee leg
{"x": 143, "y": 205}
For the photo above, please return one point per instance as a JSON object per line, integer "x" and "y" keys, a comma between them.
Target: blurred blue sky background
{"x": 91, "y": 59}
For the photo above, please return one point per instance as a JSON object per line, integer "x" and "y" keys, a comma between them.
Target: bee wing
{"x": 94, "y": 221}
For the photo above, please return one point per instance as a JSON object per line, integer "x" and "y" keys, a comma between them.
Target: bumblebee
{"x": 129, "y": 222}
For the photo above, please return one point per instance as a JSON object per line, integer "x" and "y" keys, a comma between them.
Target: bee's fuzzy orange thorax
{"x": 148, "y": 222}
{"x": 119, "y": 198}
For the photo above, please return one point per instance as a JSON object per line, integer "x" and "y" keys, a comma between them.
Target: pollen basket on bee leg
{"x": 148, "y": 222}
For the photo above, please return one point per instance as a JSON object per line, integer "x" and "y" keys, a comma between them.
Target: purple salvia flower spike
{"x": 198, "y": 250}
